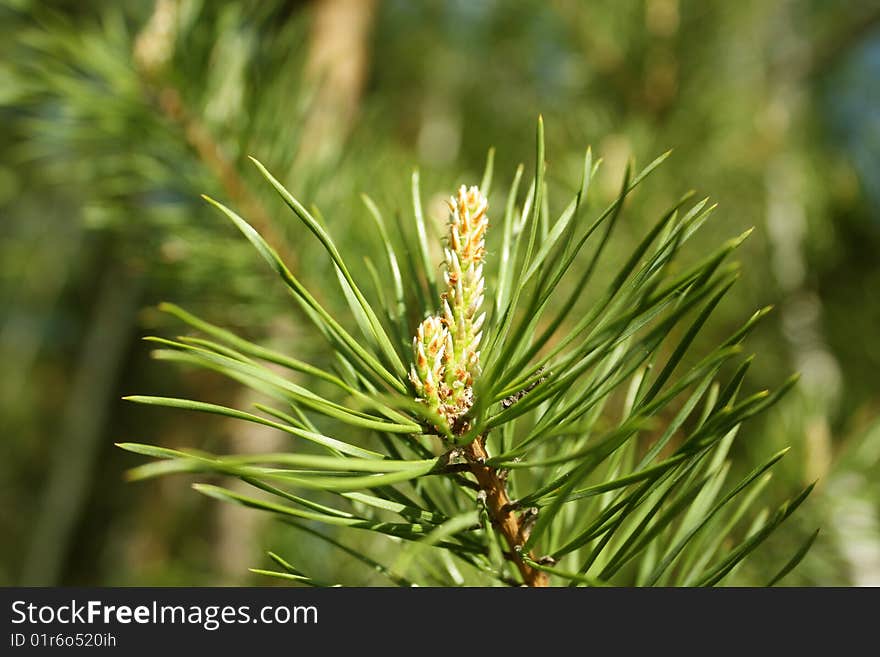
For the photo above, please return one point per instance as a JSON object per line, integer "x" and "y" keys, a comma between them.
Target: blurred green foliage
{"x": 771, "y": 109}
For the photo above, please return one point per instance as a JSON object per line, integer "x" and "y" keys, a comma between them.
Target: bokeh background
{"x": 114, "y": 117}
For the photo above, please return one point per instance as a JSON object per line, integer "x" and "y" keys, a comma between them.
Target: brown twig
{"x": 211, "y": 154}
{"x": 152, "y": 52}
{"x": 501, "y": 512}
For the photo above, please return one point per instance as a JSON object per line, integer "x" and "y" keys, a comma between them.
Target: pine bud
{"x": 447, "y": 360}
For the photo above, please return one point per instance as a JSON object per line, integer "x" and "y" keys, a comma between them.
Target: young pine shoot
{"x": 512, "y": 422}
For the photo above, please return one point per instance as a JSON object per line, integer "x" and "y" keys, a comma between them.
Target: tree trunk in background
{"x": 336, "y": 69}
{"x": 77, "y": 442}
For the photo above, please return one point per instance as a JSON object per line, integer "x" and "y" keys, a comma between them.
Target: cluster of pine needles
{"x": 524, "y": 436}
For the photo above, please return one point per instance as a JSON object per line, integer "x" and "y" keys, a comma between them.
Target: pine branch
{"x": 593, "y": 498}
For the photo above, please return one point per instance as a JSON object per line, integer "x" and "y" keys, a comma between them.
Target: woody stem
{"x": 504, "y": 519}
